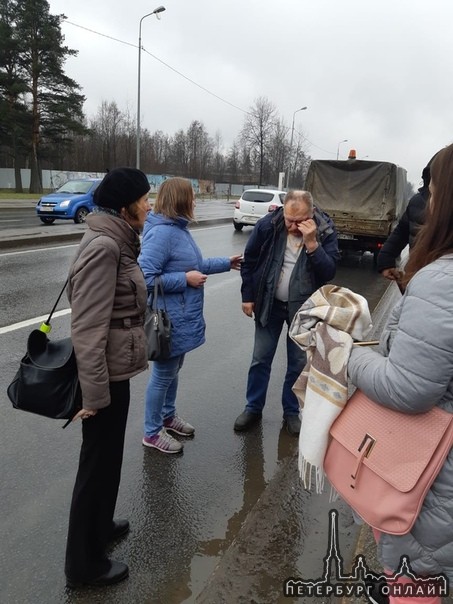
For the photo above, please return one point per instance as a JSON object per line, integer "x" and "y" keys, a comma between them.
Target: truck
{"x": 365, "y": 199}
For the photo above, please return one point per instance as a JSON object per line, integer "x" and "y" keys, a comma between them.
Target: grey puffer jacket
{"x": 107, "y": 293}
{"x": 412, "y": 372}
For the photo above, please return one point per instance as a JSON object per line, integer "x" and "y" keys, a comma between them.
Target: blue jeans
{"x": 160, "y": 397}
{"x": 266, "y": 341}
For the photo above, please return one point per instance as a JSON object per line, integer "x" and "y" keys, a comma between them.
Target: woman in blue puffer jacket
{"x": 170, "y": 252}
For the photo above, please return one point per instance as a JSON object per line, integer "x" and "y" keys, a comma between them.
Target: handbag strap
{"x": 158, "y": 289}
{"x": 46, "y": 327}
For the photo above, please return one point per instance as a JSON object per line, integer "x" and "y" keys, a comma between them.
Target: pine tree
{"x": 53, "y": 100}
{"x": 14, "y": 117}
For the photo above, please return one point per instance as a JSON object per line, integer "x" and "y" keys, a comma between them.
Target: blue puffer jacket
{"x": 169, "y": 251}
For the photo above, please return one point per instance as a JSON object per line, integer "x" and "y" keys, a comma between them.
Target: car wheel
{"x": 80, "y": 215}
{"x": 47, "y": 219}
{"x": 238, "y": 227}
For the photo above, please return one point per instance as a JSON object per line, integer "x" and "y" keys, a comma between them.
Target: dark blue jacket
{"x": 405, "y": 231}
{"x": 263, "y": 259}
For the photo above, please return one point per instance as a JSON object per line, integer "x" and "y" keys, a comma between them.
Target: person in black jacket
{"x": 405, "y": 231}
{"x": 291, "y": 253}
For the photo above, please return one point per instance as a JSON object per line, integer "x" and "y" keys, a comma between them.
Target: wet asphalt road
{"x": 187, "y": 512}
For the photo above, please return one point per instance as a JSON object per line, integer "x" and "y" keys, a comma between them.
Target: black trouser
{"x": 96, "y": 487}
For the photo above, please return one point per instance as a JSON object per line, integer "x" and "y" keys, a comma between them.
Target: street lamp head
{"x": 291, "y": 143}
{"x": 338, "y": 146}
{"x": 156, "y": 11}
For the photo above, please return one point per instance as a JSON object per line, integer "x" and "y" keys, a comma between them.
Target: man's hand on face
{"x": 308, "y": 230}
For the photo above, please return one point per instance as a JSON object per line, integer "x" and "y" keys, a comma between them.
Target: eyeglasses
{"x": 290, "y": 221}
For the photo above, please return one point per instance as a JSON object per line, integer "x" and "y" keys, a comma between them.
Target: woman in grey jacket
{"x": 413, "y": 371}
{"x": 107, "y": 293}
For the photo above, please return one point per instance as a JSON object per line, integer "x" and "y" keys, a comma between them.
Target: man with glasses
{"x": 290, "y": 254}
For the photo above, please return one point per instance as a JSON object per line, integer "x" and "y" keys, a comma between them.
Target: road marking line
{"x": 39, "y": 249}
{"x": 29, "y": 322}
{"x": 62, "y": 247}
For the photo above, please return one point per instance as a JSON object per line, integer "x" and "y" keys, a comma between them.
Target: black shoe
{"x": 117, "y": 572}
{"x": 119, "y": 529}
{"x": 292, "y": 424}
{"x": 246, "y": 420}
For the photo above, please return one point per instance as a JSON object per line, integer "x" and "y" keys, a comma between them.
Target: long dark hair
{"x": 435, "y": 237}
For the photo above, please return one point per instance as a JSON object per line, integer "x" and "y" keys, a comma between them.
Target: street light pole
{"x": 159, "y": 9}
{"x": 291, "y": 144}
{"x": 338, "y": 147}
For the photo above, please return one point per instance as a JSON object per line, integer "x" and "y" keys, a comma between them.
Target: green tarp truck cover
{"x": 368, "y": 190}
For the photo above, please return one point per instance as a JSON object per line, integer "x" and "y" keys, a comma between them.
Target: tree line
{"x": 43, "y": 126}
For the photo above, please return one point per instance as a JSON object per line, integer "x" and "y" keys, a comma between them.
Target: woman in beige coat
{"x": 107, "y": 293}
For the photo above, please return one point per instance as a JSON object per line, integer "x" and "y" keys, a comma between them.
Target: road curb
{"x": 43, "y": 239}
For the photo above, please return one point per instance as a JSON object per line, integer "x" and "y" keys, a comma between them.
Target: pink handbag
{"x": 383, "y": 462}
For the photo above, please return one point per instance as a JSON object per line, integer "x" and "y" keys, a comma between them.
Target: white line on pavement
{"x": 28, "y": 322}
{"x": 38, "y": 249}
{"x": 62, "y": 247}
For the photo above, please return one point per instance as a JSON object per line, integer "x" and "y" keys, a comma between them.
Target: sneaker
{"x": 163, "y": 442}
{"x": 178, "y": 426}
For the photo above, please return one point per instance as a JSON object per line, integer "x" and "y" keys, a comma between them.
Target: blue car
{"x": 72, "y": 201}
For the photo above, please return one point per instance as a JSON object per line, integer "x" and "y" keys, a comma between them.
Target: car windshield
{"x": 76, "y": 187}
{"x": 258, "y": 196}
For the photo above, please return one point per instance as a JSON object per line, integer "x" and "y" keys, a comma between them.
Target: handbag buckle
{"x": 369, "y": 441}
{"x": 365, "y": 448}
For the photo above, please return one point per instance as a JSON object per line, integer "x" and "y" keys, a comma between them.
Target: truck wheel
{"x": 80, "y": 215}
{"x": 47, "y": 219}
{"x": 238, "y": 227}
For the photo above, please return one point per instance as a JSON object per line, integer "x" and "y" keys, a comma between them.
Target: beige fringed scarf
{"x": 325, "y": 327}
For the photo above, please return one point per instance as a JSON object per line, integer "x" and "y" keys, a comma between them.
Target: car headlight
{"x": 65, "y": 203}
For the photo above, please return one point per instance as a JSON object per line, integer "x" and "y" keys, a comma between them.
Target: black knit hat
{"x": 426, "y": 174}
{"x": 121, "y": 187}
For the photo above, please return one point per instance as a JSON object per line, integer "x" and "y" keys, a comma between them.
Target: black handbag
{"x": 47, "y": 382}
{"x": 158, "y": 327}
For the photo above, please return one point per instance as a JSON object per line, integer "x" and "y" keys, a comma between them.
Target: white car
{"x": 254, "y": 204}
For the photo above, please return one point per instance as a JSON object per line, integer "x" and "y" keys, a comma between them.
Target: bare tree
{"x": 199, "y": 147}
{"x": 109, "y": 126}
{"x": 301, "y": 160}
{"x": 233, "y": 162}
{"x": 219, "y": 161}
{"x": 257, "y": 131}
{"x": 161, "y": 146}
{"x": 179, "y": 154}
{"x": 278, "y": 151}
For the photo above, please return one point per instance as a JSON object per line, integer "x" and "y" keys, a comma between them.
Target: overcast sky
{"x": 376, "y": 73}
